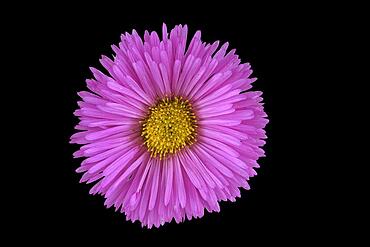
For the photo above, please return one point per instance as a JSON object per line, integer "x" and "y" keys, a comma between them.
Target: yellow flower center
{"x": 169, "y": 126}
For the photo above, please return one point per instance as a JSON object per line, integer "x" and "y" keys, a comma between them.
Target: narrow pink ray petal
{"x": 179, "y": 181}
{"x": 169, "y": 181}
{"x": 154, "y": 190}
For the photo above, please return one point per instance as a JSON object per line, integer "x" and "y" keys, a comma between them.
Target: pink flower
{"x": 167, "y": 133}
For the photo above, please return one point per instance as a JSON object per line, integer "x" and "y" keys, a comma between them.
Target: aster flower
{"x": 166, "y": 132}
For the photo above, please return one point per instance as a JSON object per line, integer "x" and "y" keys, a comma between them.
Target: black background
{"x": 58, "y": 45}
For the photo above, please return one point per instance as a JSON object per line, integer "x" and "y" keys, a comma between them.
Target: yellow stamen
{"x": 169, "y": 126}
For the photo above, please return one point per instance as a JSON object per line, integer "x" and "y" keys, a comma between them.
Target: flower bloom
{"x": 166, "y": 131}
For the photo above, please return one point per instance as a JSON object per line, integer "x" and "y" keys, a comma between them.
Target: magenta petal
{"x": 179, "y": 182}
{"x": 169, "y": 180}
{"x": 154, "y": 190}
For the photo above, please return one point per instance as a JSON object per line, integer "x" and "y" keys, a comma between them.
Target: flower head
{"x": 166, "y": 131}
